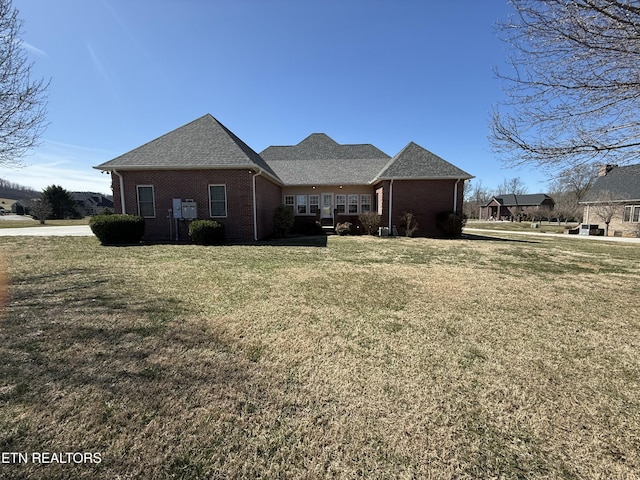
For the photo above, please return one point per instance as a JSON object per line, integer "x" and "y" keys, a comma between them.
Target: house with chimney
{"x": 614, "y": 201}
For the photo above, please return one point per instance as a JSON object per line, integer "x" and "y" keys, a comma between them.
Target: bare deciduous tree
{"x": 41, "y": 209}
{"x": 22, "y": 100}
{"x": 569, "y": 187}
{"x": 475, "y": 196}
{"x": 606, "y": 207}
{"x": 573, "y": 93}
{"x": 513, "y": 186}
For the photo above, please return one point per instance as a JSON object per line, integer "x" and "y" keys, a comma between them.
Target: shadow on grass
{"x": 298, "y": 241}
{"x": 131, "y": 358}
{"x": 476, "y": 237}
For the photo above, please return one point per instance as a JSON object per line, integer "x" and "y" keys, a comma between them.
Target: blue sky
{"x": 385, "y": 72}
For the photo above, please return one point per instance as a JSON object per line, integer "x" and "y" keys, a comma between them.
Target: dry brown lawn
{"x": 365, "y": 358}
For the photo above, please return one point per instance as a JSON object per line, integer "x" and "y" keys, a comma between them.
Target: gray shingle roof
{"x": 202, "y": 143}
{"x": 320, "y": 160}
{"x": 511, "y": 200}
{"x": 622, "y": 182}
{"x": 414, "y": 161}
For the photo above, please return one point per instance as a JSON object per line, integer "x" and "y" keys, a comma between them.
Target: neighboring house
{"x": 615, "y": 194}
{"x": 203, "y": 170}
{"x": 513, "y": 207}
{"x": 88, "y": 203}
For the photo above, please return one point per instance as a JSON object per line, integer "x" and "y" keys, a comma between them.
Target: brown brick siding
{"x": 425, "y": 198}
{"x": 268, "y": 198}
{"x": 194, "y": 184}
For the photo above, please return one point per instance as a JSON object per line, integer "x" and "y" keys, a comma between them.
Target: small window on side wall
{"x": 146, "y": 201}
{"x": 218, "y": 200}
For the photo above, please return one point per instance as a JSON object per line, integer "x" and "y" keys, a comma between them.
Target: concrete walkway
{"x": 52, "y": 231}
{"x": 479, "y": 231}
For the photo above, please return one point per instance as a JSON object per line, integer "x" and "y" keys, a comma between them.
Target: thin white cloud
{"x": 33, "y": 49}
{"x": 97, "y": 64}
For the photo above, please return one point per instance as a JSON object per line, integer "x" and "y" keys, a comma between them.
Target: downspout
{"x": 390, "y": 206}
{"x": 122, "y": 203}
{"x": 455, "y": 196}
{"x": 255, "y": 206}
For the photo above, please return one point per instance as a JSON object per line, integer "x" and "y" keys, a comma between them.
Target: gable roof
{"x": 320, "y": 160}
{"x": 202, "y": 143}
{"x": 623, "y": 183}
{"x": 416, "y": 162}
{"x": 511, "y": 200}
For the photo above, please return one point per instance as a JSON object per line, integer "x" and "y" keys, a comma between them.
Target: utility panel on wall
{"x": 177, "y": 208}
{"x": 189, "y": 210}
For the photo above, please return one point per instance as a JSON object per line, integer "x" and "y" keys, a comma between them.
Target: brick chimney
{"x": 603, "y": 170}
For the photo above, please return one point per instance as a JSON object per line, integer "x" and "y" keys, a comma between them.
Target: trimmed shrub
{"x": 207, "y": 232}
{"x": 117, "y": 229}
{"x": 450, "y": 224}
{"x": 343, "y": 228}
{"x": 370, "y": 221}
{"x": 283, "y": 220}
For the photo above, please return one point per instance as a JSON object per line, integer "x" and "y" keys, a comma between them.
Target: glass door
{"x": 327, "y": 205}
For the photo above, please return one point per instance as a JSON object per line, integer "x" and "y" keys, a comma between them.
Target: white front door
{"x": 327, "y": 205}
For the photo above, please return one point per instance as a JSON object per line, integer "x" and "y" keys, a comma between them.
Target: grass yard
{"x": 365, "y": 358}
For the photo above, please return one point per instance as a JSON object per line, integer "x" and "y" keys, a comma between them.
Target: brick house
{"x": 512, "y": 207}
{"x": 202, "y": 170}
{"x": 615, "y": 194}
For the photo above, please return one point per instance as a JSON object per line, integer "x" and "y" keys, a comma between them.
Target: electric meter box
{"x": 189, "y": 210}
{"x": 177, "y": 208}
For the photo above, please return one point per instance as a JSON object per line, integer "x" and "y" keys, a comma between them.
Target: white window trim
{"x": 344, "y": 204}
{"x": 153, "y": 200}
{"x": 368, "y": 195}
{"x": 317, "y": 204}
{"x": 226, "y": 210}
{"x": 305, "y": 204}
{"x": 293, "y": 201}
{"x": 349, "y": 204}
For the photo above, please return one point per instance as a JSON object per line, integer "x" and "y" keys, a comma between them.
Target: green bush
{"x": 451, "y": 224}
{"x": 117, "y": 229}
{"x": 283, "y": 220}
{"x": 207, "y": 232}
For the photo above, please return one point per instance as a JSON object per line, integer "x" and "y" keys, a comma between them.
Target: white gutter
{"x": 122, "y": 203}
{"x": 255, "y": 206}
{"x": 390, "y": 206}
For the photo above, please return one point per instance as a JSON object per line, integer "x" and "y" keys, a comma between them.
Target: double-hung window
{"x": 289, "y": 201}
{"x": 341, "y": 203}
{"x": 301, "y": 204}
{"x": 632, "y": 213}
{"x": 353, "y": 203}
{"x": 218, "y": 200}
{"x": 146, "y": 201}
{"x": 365, "y": 202}
{"x": 314, "y": 204}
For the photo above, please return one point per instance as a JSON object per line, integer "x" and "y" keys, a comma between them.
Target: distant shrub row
{"x": 117, "y": 229}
